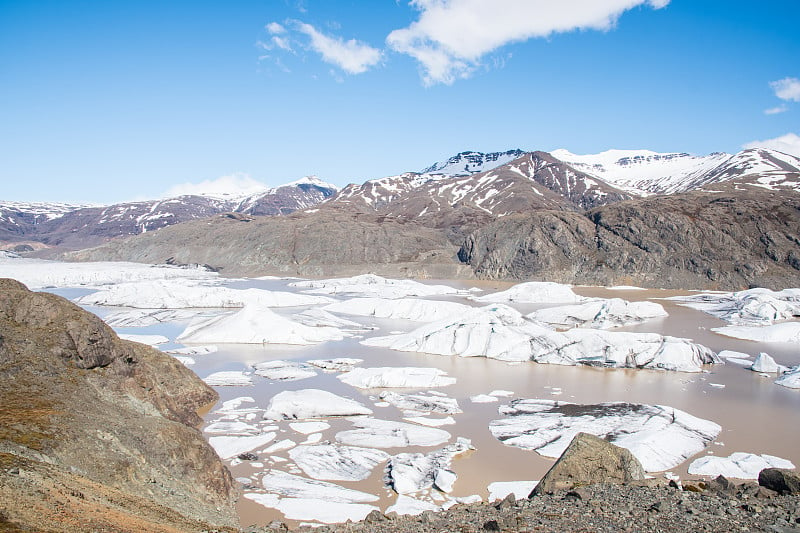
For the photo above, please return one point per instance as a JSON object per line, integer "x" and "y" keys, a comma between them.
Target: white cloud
{"x": 788, "y": 144}
{"x": 776, "y": 110}
{"x": 787, "y": 89}
{"x": 274, "y": 28}
{"x": 451, "y": 36}
{"x": 238, "y": 184}
{"x": 354, "y": 57}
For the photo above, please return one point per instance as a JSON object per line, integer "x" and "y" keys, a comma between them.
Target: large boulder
{"x": 589, "y": 460}
{"x": 780, "y": 480}
{"x": 98, "y": 433}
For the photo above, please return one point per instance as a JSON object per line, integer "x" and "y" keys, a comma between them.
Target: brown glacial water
{"x": 756, "y": 415}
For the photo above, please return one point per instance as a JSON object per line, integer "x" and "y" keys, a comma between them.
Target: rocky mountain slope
{"x": 726, "y": 240}
{"x": 81, "y": 226}
{"x": 323, "y": 243}
{"x": 535, "y": 217}
{"x": 97, "y": 433}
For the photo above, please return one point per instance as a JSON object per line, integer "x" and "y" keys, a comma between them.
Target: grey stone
{"x": 589, "y": 460}
{"x": 780, "y": 480}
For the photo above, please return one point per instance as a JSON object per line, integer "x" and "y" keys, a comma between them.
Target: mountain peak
{"x": 469, "y": 162}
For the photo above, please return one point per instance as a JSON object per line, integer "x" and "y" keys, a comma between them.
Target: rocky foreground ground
{"x": 601, "y": 508}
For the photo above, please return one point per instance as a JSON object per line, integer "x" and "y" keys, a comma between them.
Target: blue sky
{"x": 106, "y": 101}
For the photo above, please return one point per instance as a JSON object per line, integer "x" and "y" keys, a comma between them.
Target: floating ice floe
{"x": 783, "y": 332}
{"x": 375, "y": 433}
{"x": 790, "y": 379}
{"x": 370, "y": 285}
{"x": 232, "y": 427}
{"x": 255, "y": 324}
{"x": 299, "y": 498}
{"x": 137, "y": 318}
{"x": 228, "y": 446}
{"x": 339, "y": 364}
{"x": 317, "y": 318}
{"x": 520, "y": 489}
{"x": 335, "y": 462}
{"x": 396, "y": 377}
{"x": 535, "y": 292}
{"x": 151, "y": 340}
{"x": 751, "y": 307}
{"x": 402, "y": 308}
{"x": 430, "y": 403}
{"x": 193, "y": 350}
{"x": 737, "y": 358}
{"x": 229, "y": 378}
{"x": 182, "y": 293}
{"x": 600, "y": 314}
{"x": 280, "y": 446}
{"x": 737, "y": 465}
{"x": 431, "y": 422}
{"x": 412, "y": 472}
{"x": 483, "y": 398}
{"x": 499, "y": 332}
{"x": 765, "y": 363}
{"x": 307, "y": 428}
{"x": 312, "y": 403}
{"x": 280, "y": 370}
{"x": 406, "y": 505}
{"x": 40, "y": 274}
{"x": 291, "y": 486}
{"x": 660, "y": 437}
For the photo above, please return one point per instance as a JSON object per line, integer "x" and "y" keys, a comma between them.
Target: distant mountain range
{"x": 665, "y": 216}
{"x": 82, "y": 226}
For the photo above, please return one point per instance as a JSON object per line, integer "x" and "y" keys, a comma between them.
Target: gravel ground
{"x": 601, "y": 508}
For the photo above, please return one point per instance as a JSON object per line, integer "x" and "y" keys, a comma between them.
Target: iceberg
{"x": 255, "y": 324}
{"x": 374, "y": 433}
{"x": 400, "y": 308}
{"x": 280, "y": 370}
{"x": 312, "y": 403}
{"x": 229, "y": 378}
{"x": 790, "y": 379}
{"x": 370, "y": 285}
{"x": 406, "y": 505}
{"x": 41, "y": 274}
{"x": 737, "y": 465}
{"x": 137, "y": 318}
{"x": 412, "y": 472}
{"x": 600, "y": 314}
{"x": 183, "y": 293}
{"x": 660, "y": 437}
{"x": 422, "y": 402}
{"x": 339, "y": 364}
{"x": 335, "y": 462}
{"x": 751, "y": 307}
{"x": 291, "y": 486}
{"x": 533, "y": 292}
{"x": 399, "y": 377}
{"x": 520, "y": 489}
{"x": 500, "y": 333}
{"x": 782, "y": 332}
{"x": 228, "y": 446}
{"x": 765, "y": 363}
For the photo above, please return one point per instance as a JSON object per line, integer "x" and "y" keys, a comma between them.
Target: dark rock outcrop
{"x": 589, "y": 460}
{"x": 725, "y": 240}
{"x": 780, "y": 480}
{"x": 97, "y": 433}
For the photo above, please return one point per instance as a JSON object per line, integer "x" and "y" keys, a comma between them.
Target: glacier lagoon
{"x": 431, "y": 453}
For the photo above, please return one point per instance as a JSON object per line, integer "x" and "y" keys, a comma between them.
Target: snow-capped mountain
{"x": 80, "y": 226}
{"x": 642, "y": 172}
{"x": 468, "y": 163}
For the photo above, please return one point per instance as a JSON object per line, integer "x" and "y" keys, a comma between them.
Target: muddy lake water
{"x": 755, "y": 414}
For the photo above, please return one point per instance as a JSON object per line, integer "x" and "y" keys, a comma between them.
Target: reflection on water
{"x": 756, "y": 415}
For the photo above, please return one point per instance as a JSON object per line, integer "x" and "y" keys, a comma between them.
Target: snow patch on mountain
{"x": 468, "y": 163}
